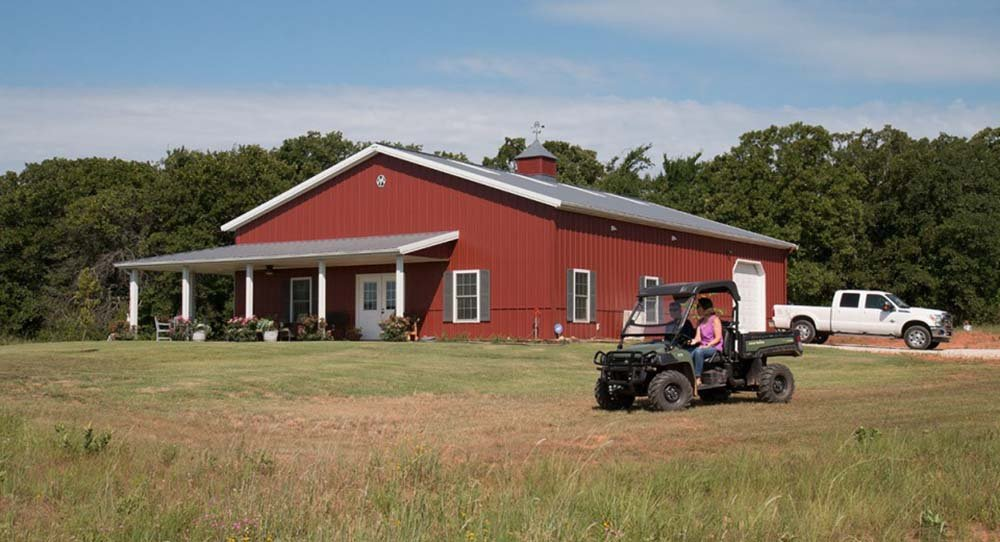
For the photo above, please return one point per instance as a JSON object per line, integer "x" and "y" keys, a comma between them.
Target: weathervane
{"x": 537, "y": 128}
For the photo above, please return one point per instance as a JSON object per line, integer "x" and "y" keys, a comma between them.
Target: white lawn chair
{"x": 162, "y": 330}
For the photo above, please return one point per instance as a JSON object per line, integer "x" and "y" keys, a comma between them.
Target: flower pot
{"x": 271, "y": 336}
{"x": 198, "y": 336}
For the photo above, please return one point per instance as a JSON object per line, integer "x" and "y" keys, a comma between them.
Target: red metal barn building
{"x": 469, "y": 250}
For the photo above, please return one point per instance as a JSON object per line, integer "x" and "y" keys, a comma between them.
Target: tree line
{"x": 869, "y": 209}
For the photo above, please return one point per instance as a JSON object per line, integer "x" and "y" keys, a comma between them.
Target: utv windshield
{"x": 897, "y": 301}
{"x": 661, "y": 318}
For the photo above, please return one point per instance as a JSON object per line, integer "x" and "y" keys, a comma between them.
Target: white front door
{"x": 375, "y": 300}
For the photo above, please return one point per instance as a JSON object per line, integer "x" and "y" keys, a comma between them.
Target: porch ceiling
{"x": 296, "y": 254}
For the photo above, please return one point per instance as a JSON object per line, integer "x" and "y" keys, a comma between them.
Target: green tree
{"x": 313, "y": 152}
{"x": 504, "y": 159}
{"x": 625, "y": 174}
{"x": 86, "y": 299}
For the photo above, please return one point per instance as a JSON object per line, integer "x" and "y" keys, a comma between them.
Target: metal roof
{"x": 535, "y": 150}
{"x": 541, "y": 189}
{"x": 342, "y": 251}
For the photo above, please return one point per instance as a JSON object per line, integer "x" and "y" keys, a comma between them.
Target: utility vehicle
{"x": 663, "y": 371}
{"x": 867, "y": 312}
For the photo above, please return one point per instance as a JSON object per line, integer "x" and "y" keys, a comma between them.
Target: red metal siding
{"x": 526, "y": 246}
{"x": 507, "y": 234}
{"x": 620, "y": 257}
{"x": 537, "y": 166}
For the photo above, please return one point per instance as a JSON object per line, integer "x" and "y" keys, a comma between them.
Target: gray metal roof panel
{"x": 629, "y": 209}
{"x": 292, "y": 249}
{"x": 535, "y": 150}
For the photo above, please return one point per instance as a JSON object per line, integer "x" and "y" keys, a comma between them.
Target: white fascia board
{"x": 363, "y": 155}
{"x": 428, "y": 243}
{"x": 256, "y": 259}
{"x": 676, "y": 227}
{"x": 300, "y": 188}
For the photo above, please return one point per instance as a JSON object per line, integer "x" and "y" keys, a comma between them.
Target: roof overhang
{"x": 299, "y": 254}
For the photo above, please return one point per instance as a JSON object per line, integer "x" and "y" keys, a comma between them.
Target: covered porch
{"x": 284, "y": 281}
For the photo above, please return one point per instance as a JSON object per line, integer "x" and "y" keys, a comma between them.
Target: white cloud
{"x": 838, "y": 41}
{"x": 142, "y": 124}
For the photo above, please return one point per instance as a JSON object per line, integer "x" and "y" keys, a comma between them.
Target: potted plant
{"x": 268, "y": 329}
{"x": 201, "y": 332}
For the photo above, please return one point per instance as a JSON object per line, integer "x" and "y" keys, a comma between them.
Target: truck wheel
{"x": 776, "y": 384}
{"x": 821, "y": 338}
{"x": 609, "y": 400}
{"x": 934, "y": 344}
{"x": 718, "y": 395}
{"x": 917, "y": 337}
{"x": 806, "y": 329}
{"x": 670, "y": 390}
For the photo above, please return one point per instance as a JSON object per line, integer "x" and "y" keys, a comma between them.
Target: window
{"x": 581, "y": 295}
{"x": 651, "y": 311}
{"x": 467, "y": 296}
{"x": 390, "y": 295}
{"x": 300, "y": 298}
{"x": 875, "y": 301}
{"x": 850, "y": 301}
{"x": 369, "y": 293}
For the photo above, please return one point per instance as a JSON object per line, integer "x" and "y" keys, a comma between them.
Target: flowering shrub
{"x": 395, "y": 328}
{"x": 311, "y": 328}
{"x": 352, "y": 334}
{"x": 181, "y": 328}
{"x": 241, "y": 329}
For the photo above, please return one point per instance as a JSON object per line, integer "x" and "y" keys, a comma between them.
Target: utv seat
{"x": 729, "y": 335}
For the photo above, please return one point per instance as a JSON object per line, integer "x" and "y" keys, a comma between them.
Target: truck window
{"x": 875, "y": 301}
{"x": 850, "y": 301}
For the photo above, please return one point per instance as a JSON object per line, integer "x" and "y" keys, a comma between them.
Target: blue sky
{"x": 132, "y": 79}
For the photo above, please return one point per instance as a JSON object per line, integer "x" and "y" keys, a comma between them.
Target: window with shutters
{"x": 300, "y": 298}
{"x": 581, "y": 295}
{"x": 651, "y": 310}
{"x": 467, "y": 296}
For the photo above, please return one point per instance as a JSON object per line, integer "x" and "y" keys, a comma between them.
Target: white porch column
{"x": 248, "y": 304}
{"x": 321, "y": 291}
{"x": 133, "y": 298}
{"x": 400, "y": 286}
{"x": 187, "y": 292}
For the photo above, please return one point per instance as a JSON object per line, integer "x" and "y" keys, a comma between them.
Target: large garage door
{"x": 749, "y": 278}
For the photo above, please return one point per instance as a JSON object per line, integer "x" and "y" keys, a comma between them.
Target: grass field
{"x": 352, "y": 441}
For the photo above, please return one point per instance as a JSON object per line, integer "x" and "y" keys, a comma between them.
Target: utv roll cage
{"x": 683, "y": 292}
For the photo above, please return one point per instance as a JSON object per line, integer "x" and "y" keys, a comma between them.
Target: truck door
{"x": 878, "y": 321}
{"x": 847, "y": 316}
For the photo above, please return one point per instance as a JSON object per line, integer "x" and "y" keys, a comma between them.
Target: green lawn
{"x": 451, "y": 441}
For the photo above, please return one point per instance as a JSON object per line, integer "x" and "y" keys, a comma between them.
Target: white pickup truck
{"x": 867, "y": 312}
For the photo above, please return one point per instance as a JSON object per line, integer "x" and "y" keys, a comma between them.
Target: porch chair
{"x": 162, "y": 330}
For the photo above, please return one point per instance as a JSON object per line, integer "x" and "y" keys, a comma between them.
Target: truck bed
{"x": 820, "y": 316}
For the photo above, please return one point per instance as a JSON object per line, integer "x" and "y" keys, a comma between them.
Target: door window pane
{"x": 850, "y": 301}
{"x": 875, "y": 301}
{"x": 369, "y": 293}
{"x": 390, "y": 295}
{"x": 301, "y": 302}
{"x": 467, "y": 295}
{"x": 652, "y": 304}
{"x": 581, "y": 295}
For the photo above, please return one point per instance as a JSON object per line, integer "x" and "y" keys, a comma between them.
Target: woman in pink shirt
{"x": 707, "y": 337}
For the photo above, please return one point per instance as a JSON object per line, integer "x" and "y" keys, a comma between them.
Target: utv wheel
{"x": 776, "y": 384}
{"x": 821, "y": 338}
{"x": 670, "y": 390}
{"x": 806, "y": 329}
{"x": 917, "y": 337}
{"x": 608, "y": 400}
{"x": 718, "y": 395}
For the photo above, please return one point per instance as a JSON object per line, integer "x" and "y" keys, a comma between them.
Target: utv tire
{"x": 821, "y": 338}
{"x": 611, "y": 401}
{"x": 670, "y": 390}
{"x": 717, "y": 395}
{"x": 776, "y": 384}
{"x": 917, "y": 337}
{"x": 806, "y": 329}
